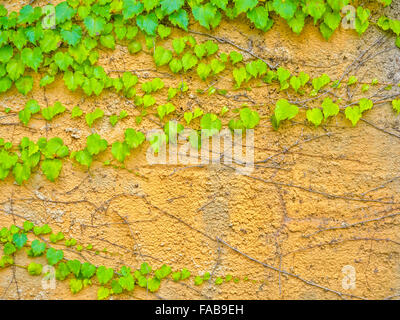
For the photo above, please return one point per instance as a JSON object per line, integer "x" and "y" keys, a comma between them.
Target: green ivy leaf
{"x": 37, "y": 248}
{"x": 179, "y": 45}
{"x": 203, "y": 70}
{"x": 54, "y": 148}
{"x": 188, "y": 61}
{"x": 73, "y": 36}
{"x": 361, "y": 27}
{"x": 64, "y": 12}
{"x": 20, "y": 239}
{"x": 32, "y": 58}
{"x": 211, "y": 47}
{"x": 79, "y": 53}
{"x": 235, "y": 124}
{"x": 62, "y": 271}
{"x": 244, "y": 5}
{"x": 297, "y": 22}
{"x": 74, "y": 266}
{"x": 162, "y": 56}
{"x": 88, "y": 270}
{"x": 94, "y": 25}
{"x": 235, "y": 57}
{"x": 352, "y": 80}
{"x": 54, "y": 238}
{"x": 163, "y": 272}
{"x": 395, "y": 26}
{"x": 134, "y": 138}
{"x": 120, "y": 150}
{"x": 148, "y": 23}
{"x": 76, "y": 112}
{"x": 205, "y": 14}
{"x": 365, "y": 104}
{"x": 165, "y": 109}
{"x": 285, "y": 8}
{"x": 83, "y": 157}
{"x": 162, "y": 30}
{"x": 314, "y": 116}
{"x": 50, "y": 41}
{"x": 240, "y": 75}
{"x": 51, "y": 168}
{"x": 198, "y": 280}
{"x": 29, "y": 15}
{"x": 50, "y": 112}
{"x": 5, "y": 84}
{"x": 21, "y": 172}
{"x": 15, "y": 68}
{"x": 75, "y": 285}
{"x": 9, "y": 249}
{"x": 104, "y": 275}
{"x": 332, "y": 20}
{"x": 315, "y": 9}
{"x": 329, "y": 108}
{"x": 108, "y": 41}
{"x": 153, "y": 284}
{"x": 127, "y": 282}
{"x": 337, "y": 5}
{"x": 353, "y": 114}
{"x": 320, "y": 82}
{"x": 396, "y": 105}
{"x": 145, "y": 268}
{"x": 35, "y": 269}
{"x": 284, "y": 111}
{"x": 24, "y": 84}
{"x": 179, "y": 18}
{"x": 95, "y": 144}
{"x": 63, "y": 60}
{"x": 6, "y": 53}
{"x": 93, "y": 116}
{"x": 28, "y": 226}
{"x": 259, "y": 16}
{"x": 129, "y": 80}
{"x": 210, "y": 124}
{"x": 249, "y": 118}
{"x": 54, "y": 256}
{"x": 185, "y": 274}
{"x": 176, "y": 276}
{"x": 169, "y": 7}
{"x": 73, "y": 79}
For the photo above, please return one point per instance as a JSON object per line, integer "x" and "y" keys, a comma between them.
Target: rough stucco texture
{"x": 323, "y": 198}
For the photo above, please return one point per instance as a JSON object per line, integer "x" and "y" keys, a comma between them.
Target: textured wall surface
{"x": 318, "y": 200}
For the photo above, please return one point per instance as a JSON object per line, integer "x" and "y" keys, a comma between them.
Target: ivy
{"x": 353, "y": 114}
{"x": 165, "y": 109}
{"x": 188, "y": 61}
{"x": 396, "y": 106}
{"x": 54, "y": 256}
{"x": 315, "y": 116}
{"x": 35, "y": 269}
{"x": 283, "y": 111}
{"x": 50, "y": 112}
{"x": 329, "y": 108}
{"x": 210, "y": 124}
{"x": 93, "y": 116}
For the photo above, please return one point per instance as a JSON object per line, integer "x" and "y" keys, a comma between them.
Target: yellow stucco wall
{"x": 331, "y": 179}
